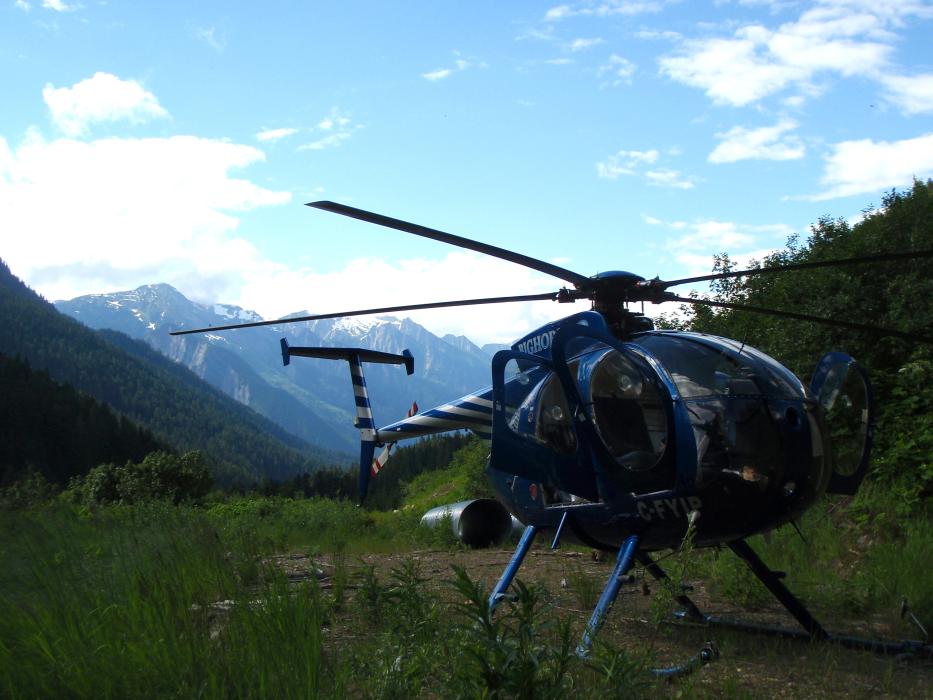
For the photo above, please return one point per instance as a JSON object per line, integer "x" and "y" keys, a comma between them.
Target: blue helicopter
{"x": 609, "y": 433}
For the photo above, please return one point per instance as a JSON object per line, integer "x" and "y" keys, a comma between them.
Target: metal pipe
{"x": 708, "y": 653}
{"x": 880, "y": 646}
{"x": 480, "y": 522}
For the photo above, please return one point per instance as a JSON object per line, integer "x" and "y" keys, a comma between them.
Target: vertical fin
{"x": 364, "y": 422}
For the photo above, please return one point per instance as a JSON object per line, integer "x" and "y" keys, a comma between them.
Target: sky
{"x": 177, "y": 142}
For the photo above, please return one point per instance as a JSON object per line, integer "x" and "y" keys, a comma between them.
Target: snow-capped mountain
{"x": 310, "y": 398}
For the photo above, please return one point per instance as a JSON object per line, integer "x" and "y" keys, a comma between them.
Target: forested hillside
{"x": 387, "y": 490}
{"x": 57, "y": 431}
{"x": 892, "y": 295}
{"x": 150, "y": 390}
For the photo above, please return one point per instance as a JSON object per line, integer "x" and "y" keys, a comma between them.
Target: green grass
{"x": 155, "y": 600}
{"x": 159, "y": 601}
{"x": 851, "y": 560}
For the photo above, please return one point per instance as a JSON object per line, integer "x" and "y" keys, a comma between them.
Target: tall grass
{"x": 850, "y": 558}
{"x": 157, "y": 601}
{"x": 128, "y": 603}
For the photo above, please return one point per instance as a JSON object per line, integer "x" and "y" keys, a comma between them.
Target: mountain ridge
{"x": 149, "y": 389}
{"x": 310, "y": 399}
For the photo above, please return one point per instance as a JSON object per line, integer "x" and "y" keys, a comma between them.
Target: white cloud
{"x": 275, "y": 134}
{"x": 438, "y": 74}
{"x": 108, "y": 214}
{"x": 625, "y": 163}
{"x": 632, "y": 162}
{"x": 460, "y": 64}
{"x": 335, "y": 120}
{"x": 583, "y": 44}
{"x": 335, "y": 128}
{"x": 698, "y": 241}
{"x": 101, "y": 98}
{"x": 666, "y": 177}
{"x": 764, "y": 143}
{"x": 773, "y": 5}
{"x": 59, "y": 6}
{"x": 603, "y": 8}
{"x": 712, "y": 235}
{"x": 450, "y": 277}
{"x": 834, "y": 37}
{"x": 913, "y": 94}
{"x": 729, "y": 70}
{"x": 858, "y": 167}
{"x": 619, "y": 68}
{"x": 213, "y": 37}
{"x": 668, "y": 34}
{"x": 557, "y": 13}
{"x": 91, "y": 216}
{"x": 329, "y": 141}
{"x": 22, "y": 5}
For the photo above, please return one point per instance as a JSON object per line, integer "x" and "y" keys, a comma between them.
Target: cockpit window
{"x": 699, "y": 370}
{"x": 554, "y": 423}
{"x": 628, "y": 410}
{"x": 537, "y": 407}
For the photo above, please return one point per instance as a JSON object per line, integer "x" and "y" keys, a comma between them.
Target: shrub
{"x": 160, "y": 476}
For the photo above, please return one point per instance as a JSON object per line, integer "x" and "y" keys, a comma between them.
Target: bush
{"x": 160, "y": 476}
{"x": 31, "y": 489}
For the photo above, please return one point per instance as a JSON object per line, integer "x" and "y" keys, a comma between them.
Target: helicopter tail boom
{"x": 472, "y": 412}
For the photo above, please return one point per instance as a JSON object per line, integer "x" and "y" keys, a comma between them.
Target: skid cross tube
{"x": 772, "y": 581}
{"x": 691, "y": 611}
{"x": 560, "y": 529}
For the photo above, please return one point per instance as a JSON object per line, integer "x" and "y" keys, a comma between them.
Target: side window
{"x": 842, "y": 389}
{"x": 843, "y": 396}
{"x": 536, "y": 407}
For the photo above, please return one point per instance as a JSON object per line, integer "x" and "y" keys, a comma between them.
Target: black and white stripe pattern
{"x": 364, "y": 412}
{"x": 472, "y": 412}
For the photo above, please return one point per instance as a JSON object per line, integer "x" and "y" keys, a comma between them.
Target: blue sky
{"x": 177, "y": 142}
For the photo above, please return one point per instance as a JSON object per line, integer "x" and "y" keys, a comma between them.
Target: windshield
{"x": 707, "y": 366}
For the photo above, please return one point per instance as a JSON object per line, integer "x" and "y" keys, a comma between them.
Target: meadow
{"x": 280, "y": 597}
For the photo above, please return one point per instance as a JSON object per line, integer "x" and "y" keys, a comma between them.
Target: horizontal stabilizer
{"x": 386, "y": 358}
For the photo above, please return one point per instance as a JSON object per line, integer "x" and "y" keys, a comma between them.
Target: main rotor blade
{"x": 876, "y": 330}
{"x": 882, "y": 257}
{"x": 552, "y": 296}
{"x": 578, "y": 280}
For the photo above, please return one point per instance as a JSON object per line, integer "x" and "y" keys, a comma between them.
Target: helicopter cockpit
{"x": 666, "y": 411}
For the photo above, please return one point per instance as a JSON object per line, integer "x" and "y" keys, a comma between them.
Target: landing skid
{"x": 812, "y": 629}
{"x": 626, "y": 556}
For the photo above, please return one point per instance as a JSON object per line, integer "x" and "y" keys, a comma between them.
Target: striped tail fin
{"x": 355, "y": 357}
